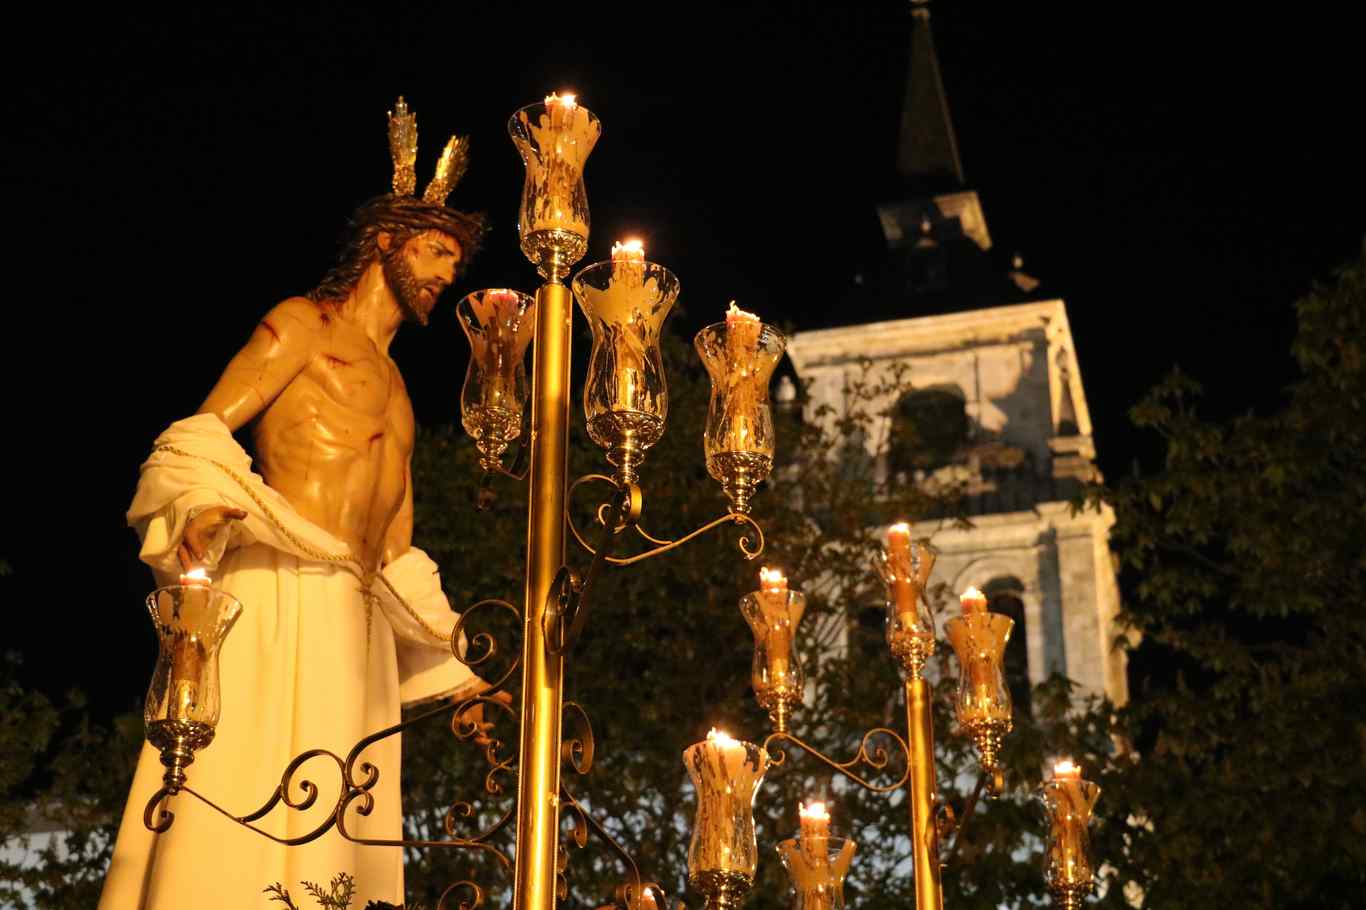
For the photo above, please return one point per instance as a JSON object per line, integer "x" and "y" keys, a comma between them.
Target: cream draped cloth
{"x": 320, "y": 657}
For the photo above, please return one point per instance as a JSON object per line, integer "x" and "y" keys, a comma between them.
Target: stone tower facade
{"x": 998, "y": 404}
{"x": 1024, "y": 448}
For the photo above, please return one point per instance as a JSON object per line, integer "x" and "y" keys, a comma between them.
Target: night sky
{"x": 1178, "y": 178}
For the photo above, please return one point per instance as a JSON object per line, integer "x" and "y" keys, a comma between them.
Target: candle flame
{"x": 813, "y": 810}
{"x": 971, "y": 594}
{"x": 772, "y": 579}
{"x": 721, "y": 738}
{"x": 901, "y": 529}
{"x": 500, "y": 295}
{"x": 633, "y": 247}
{"x": 568, "y": 99}
{"x": 1065, "y": 767}
{"x": 736, "y": 313}
{"x": 196, "y": 576}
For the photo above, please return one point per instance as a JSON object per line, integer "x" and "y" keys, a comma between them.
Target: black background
{"x": 1179, "y": 178}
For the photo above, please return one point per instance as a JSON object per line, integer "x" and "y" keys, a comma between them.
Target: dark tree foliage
{"x": 59, "y": 772}
{"x": 1245, "y": 561}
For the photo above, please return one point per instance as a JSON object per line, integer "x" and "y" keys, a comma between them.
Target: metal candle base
{"x": 723, "y": 890}
{"x": 178, "y": 742}
{"x": 1070, "y": 898}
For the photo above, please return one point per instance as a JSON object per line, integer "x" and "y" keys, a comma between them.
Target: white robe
{"x": 307, "y": 665}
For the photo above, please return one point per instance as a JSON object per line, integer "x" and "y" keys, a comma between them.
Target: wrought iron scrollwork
{"x": 751, "y": 543}
{"x": 872, "y": 756}
{"x": 358, "y": 777}
{"x": 475, "y": 899}
{"x": 577, "y": 751}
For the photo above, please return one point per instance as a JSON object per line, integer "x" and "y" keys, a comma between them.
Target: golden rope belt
{"x": 345, "y": 561}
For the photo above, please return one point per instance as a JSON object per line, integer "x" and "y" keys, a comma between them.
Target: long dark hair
{"x": 403, "y": 217}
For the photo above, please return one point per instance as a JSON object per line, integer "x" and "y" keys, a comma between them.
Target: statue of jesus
{"x": 343, "y": 620}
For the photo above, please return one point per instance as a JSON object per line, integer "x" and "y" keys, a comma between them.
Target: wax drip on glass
{"x": 816, "y": 862}
{"x": 626, "y": 398}
{"x": 1070, "y": 800}
{"x": 983, "y": 704}
{"x": 740, "y": 355}
{"x": 499, "y": 323}
{"x": 723, "y": 855}
{"x": 773, "y": 613}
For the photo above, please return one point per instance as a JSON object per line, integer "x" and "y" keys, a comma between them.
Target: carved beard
{"x": 401, "y": 280}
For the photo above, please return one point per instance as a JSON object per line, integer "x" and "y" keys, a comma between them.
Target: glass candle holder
{"x": 723, "y": 855}
{"x": 983, "y": 699}
{"x": 1067, "y": 862}
{"x": 904, "y": 566}
{"x": 740, "y": 355}
{"x": 499, "y": 324}
{"x": 626, "y": 399}
{"x": 773, "y": 613}
{"x": 554, "y": 140}
{"x": 817, "y": 866}
{"x": 183, "y": 701}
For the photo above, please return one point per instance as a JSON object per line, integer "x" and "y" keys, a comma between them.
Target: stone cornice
{"x": 929, "y": 334}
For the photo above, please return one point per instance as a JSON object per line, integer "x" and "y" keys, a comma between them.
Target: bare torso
{"x": 335, "y": 435}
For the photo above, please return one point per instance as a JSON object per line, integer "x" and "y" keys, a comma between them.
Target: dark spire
{"x": 927, "y": 153}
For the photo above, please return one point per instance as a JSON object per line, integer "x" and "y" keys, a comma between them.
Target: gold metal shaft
{"x": 543, "y": 674}
{"x": 924, "y": 837}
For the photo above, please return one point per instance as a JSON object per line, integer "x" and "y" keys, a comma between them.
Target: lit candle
{"x": 726, "y": 774}
{"x": 1070, "y": 809}
{"x": 742, "y": 351}
{"x": 815, "y": 819}
{"x": 187, "y": 654}
{"x": 628, "y": 263}
{"x": 773, "y": 601}
{"x": 972, "y": 601}
{"x": 196, "y": 576}
{"x": 899, "y": 551}
{"x": 815, "y": 833}
{"x": 561, "y": 108}
{"x": 730, "y": 749}
{"x": 1066, "y": 770}
{"x": 559, "y": 143}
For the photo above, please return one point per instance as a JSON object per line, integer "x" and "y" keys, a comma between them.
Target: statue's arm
{"x": 399, "y": 538}
{"x": 278, "y": 350}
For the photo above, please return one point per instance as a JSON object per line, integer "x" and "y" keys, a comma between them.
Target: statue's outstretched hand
{"x": 200, "y": 532}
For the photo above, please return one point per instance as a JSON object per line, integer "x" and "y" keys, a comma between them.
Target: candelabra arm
{"x": 475, "y": 900}
{"x": 875, "y": 757}
{"x": 566, "y": 608}
{"x": 353, "y": 788}
{"x": 751, "y": 544}
{"x": 957, "y": 827}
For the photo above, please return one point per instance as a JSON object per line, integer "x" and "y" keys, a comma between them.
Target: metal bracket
{"x": 568, "y": 601}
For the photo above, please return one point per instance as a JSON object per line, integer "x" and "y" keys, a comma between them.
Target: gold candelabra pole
{"x": 543, "y": 679}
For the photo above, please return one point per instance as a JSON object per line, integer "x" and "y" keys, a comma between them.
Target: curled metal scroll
{"x": 498, "y": 765}
{"x": 584, "y": 823}
{"x": 476, "y": 896}
{"x": 876, "y": 757}
{"x": 483, "y": 640}
{"x": 308, "y": 789}
{"x": 578, "y": 750}
{"x": 751, "y": 543}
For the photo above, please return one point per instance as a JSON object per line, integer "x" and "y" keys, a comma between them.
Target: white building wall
{"x": 1016, "y": 370}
